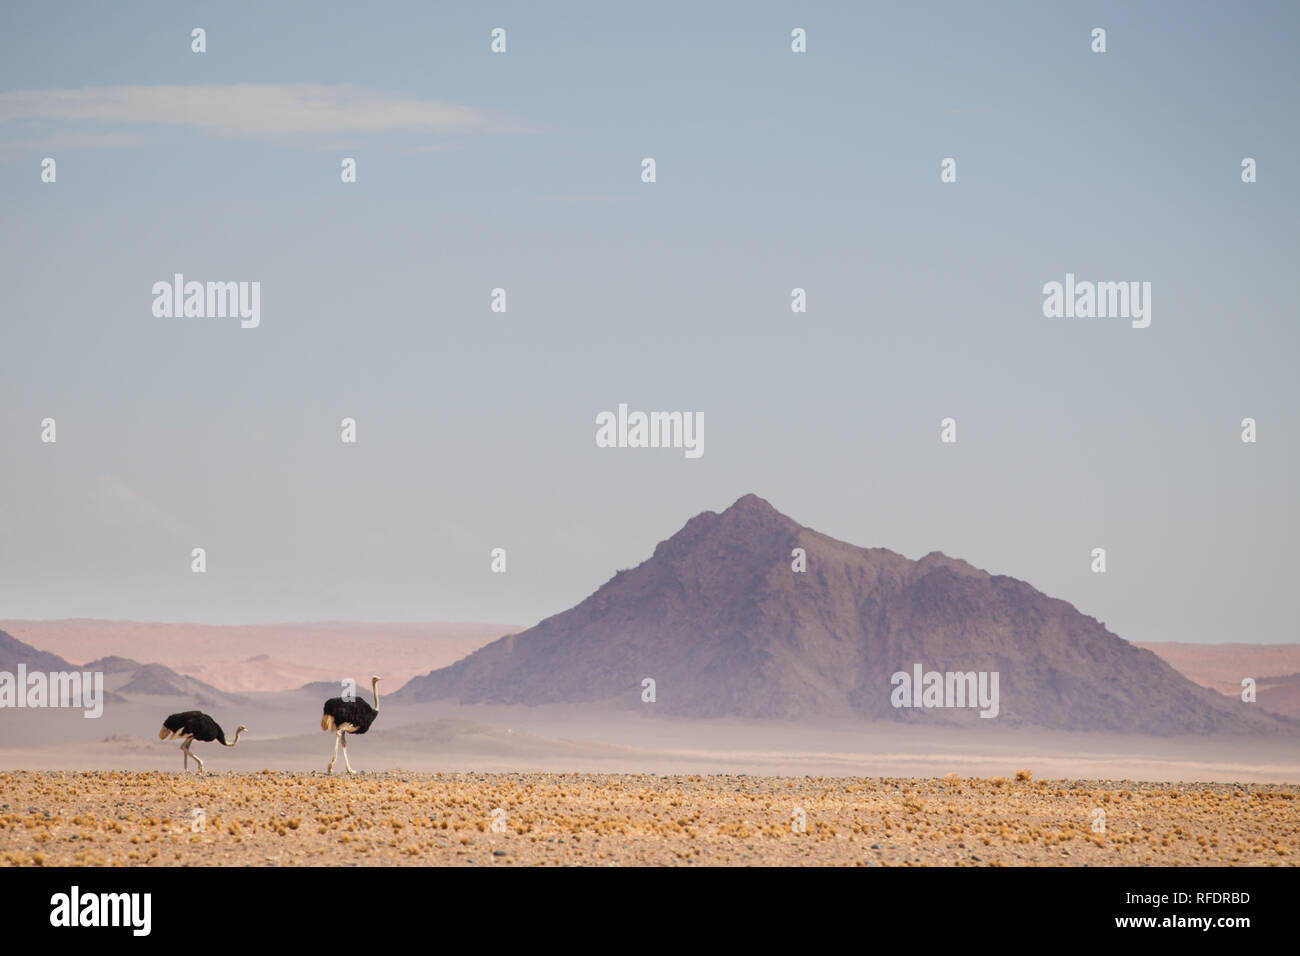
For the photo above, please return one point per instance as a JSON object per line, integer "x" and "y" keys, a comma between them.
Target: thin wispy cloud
{"x": 114, "y": 503}
{"x": 253, "y": 110}
{"x": 430, "y": 148}
{"x": 71, "y": 139}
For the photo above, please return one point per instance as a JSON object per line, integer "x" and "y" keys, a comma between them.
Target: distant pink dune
{"x": 266, "y": 657}
{"x": 1274, "y": 667}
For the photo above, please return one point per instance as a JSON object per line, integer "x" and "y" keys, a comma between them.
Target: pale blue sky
{"x": 775, "y": 170}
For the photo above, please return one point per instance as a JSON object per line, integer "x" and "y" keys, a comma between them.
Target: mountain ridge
{"x": 725, "y": 628}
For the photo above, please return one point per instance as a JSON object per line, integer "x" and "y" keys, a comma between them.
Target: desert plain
{"x": 392, "y": 818}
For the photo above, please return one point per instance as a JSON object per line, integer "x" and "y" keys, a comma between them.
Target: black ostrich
{"x": 345, "y": 717}
{"x": 195, "y": 725}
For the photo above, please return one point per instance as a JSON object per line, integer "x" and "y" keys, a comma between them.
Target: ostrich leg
{"x": 344, "y": 738}
{"x": 337, "y": 735}
{"x": 197, "y": 759}
{"x": 186, "y": 752}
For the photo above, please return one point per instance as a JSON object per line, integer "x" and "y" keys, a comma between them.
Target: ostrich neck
{"x": 374, "y": 689}
{"x": 236, "y": 740}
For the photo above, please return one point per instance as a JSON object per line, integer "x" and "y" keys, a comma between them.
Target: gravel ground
{"x": 511, "y": 819}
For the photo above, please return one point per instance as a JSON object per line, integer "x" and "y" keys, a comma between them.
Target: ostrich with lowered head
{"x": 348, "y": 716}
{"x": 195, "y": 725}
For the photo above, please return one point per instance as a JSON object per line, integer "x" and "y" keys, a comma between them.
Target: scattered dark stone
{"x": 500, "y": 853}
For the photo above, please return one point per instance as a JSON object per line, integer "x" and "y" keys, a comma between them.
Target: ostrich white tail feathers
{"x": 326, "y": 722}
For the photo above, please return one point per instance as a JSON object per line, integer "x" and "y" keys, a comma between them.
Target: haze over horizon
{"x": 775, "y": 171}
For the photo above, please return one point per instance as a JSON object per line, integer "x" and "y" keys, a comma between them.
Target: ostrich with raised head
{"x": 195, "y": 725}
{"x": 348, "y": 716}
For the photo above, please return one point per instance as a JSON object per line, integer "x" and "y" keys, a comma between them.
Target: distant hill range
{"x": 123, "y": 677}
{"x": 249, "y": 658}
{"x": 1275, "y": 669}
{"x": 725, "y": 627}
{"x": 14, "y": 652}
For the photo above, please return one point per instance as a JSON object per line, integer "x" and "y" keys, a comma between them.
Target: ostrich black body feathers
{"x": 351, "y": 716}
{"x": 192, "y": 723}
